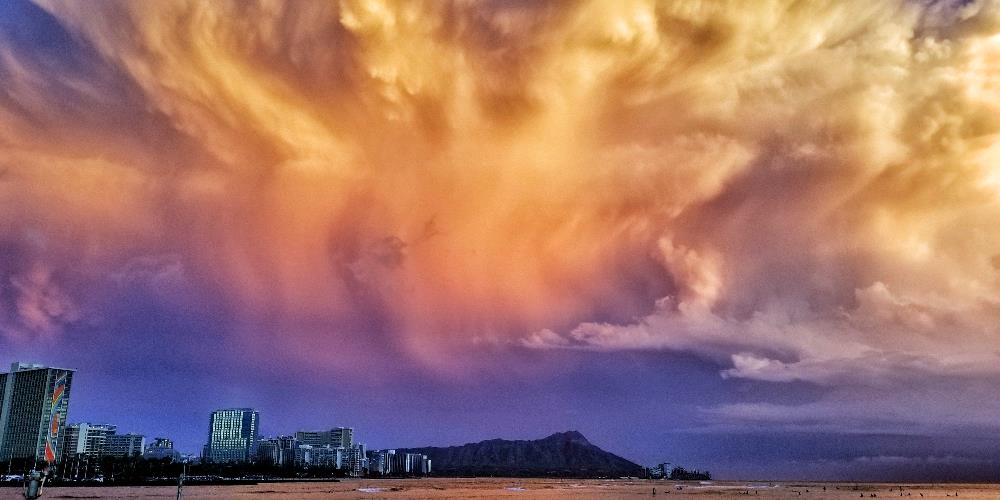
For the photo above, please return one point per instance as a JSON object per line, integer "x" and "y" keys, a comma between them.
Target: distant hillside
{"x": 566, "y": 454}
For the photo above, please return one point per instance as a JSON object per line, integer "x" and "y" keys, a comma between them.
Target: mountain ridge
{"x": 562, "y": 454}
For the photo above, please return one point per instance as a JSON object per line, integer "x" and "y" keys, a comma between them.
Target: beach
{"x": 441, "y": 488}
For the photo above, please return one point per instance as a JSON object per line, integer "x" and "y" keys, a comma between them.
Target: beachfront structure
{"x": 35, "y": 402}
{"x": 232, "y": 435}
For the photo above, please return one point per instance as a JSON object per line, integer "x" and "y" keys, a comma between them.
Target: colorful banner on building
{"x": 52, "y": 438}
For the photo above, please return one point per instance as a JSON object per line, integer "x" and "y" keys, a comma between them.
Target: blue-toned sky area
{"x": 761, "y": 238}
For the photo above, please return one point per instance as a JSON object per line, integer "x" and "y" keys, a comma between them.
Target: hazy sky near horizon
{"x": 694, "y": 231}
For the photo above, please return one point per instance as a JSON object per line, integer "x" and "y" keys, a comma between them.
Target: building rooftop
{"x": 21, "y": 366}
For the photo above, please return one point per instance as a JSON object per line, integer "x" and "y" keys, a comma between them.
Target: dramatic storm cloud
{"x": 792, "y": 192}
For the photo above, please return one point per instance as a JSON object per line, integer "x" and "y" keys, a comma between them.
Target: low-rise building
{"x": 161, "y": 448}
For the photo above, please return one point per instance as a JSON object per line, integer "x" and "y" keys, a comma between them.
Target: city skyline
{"x": 758, "y": 238}
{"x": 98, "y": 436}
{"x": 35, "y": 433}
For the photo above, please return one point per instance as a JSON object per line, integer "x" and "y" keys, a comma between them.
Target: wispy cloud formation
{"x": 800, "y": 191}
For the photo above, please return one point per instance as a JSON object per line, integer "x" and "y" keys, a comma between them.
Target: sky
{"x": 761, "y": 238}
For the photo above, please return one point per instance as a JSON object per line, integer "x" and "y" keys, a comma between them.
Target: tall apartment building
{"x": 86, "y": 439}
{"x": 35, "y": 401}
{"x": 125, "y": 445}
{"x": 232, "y": 435}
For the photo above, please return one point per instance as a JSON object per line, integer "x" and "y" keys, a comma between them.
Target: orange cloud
{"x": 781, "y": 179}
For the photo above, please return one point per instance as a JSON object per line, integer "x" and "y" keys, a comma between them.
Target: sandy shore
{"x": 527, "y": 488}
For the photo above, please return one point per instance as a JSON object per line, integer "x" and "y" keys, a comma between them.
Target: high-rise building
{"x": 313, "y": 438}
{"x": 71, "y": 439}
{"x": 388, "y": 462}
{"x": 125, "y": 445}
{"x": 277, "y": 451}
{"x": 33, "y": 411}
{"x": 288, "y": 444}
{"x": 82, "y": 448}
{"x": 337, "y": 437}
{"x": 268, "y": 452}
{"x": 380, "y": 462}
{"x": 232, "y": 435}
{"x": 342, "y": 437}
{"x": 397, "y": 463}
{"x": 355, "y": 461}
{"x": 329, "y": 448}
{"x": 319, "y": 456}
{"x": 413, "y": 463}
{"x": 86, "y": 439}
